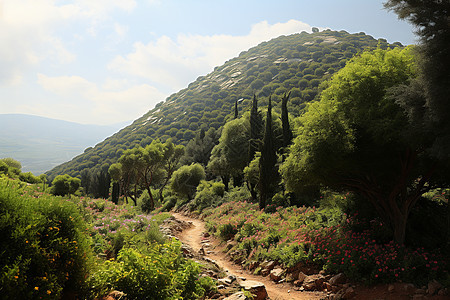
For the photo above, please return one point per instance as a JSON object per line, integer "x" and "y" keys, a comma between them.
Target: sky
{"x": 110, "y": 61}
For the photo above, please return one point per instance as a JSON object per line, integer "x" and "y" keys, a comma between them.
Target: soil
{"x": 284, "y": 291}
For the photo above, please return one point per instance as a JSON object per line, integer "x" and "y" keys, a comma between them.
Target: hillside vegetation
{"x": 297, "y": 63}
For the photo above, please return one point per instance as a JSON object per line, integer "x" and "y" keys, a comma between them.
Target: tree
{"x": 268, "y": 173}
{"x": 429, "y": 104}
{"x": 256, "y": 129}
{"x": 11, "y": 162}
{"x": 198, "y": 149}
{"x": 64, "y": 185}
{"x": 140, "y": 168}
{"x": 186, "y": 179}
{"x": 287, "y": 132}
{"x": 226, "y": 157}
{"x": 171, "y": 155}
{"x": 358, "y": 138}
{"x": 433, "y": 27}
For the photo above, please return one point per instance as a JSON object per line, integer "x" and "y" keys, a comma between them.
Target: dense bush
{"x": 209, "y": 194}
{"x": 159, "y": 272}
{"x": 326, "y": 237}
{"x": 45, "y": 248}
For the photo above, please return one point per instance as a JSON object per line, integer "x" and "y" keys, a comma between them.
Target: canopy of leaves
{"x": 298, "y": 61}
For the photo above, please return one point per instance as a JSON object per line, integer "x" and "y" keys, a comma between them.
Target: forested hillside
{"x": 297, "y": 63}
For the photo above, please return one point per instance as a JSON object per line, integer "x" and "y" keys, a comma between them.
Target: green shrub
{"x": 209, "y": 194}
{"x": 45, "y": 248}
{"x": 159, "y": 273}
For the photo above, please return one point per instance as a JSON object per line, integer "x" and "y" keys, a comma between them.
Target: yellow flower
{"x": 49, "y": 292}
{"x": 36, "y": 288}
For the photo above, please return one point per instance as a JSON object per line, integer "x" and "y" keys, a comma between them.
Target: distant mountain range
{"x": 41, "y": 143}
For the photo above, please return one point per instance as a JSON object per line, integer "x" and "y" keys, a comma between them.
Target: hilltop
{"x": 296, "y": 63}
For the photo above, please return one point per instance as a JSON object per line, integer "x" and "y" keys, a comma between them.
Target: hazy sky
{"x": 109, "y": 61}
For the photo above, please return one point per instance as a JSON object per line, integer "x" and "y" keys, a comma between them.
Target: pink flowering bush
{"x": 324, "y": 237}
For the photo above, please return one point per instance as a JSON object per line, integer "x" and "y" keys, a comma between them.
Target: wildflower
{"x": 36, "y": 288}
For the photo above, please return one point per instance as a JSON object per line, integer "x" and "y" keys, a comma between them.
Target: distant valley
{"x": 41, "y": 143}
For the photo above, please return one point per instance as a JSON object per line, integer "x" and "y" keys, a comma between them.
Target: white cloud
{"x": 28, "y": 31}
{"x": 175, "y": 63}
{"x": 87, "y": 102}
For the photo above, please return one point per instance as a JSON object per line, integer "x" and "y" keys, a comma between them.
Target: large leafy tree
{"x": 432, "y": 22}
{"x": 144, "y": 168}
{"x": 358, "y": 138}
{"x": 186, "y": 179}
{"x": 228, "y": 156}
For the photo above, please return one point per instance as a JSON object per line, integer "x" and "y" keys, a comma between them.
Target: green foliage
{"x": 45, "y": 248}
{"x": 64, "y": 185}
{"x": 233, "y": 80}
{"x": 324, "y": 237}
{"x": 226, "y": 157}
{"x": 357, "y": 132}
{"x": 29, "y": 177}
{"x": 186, "y": 179}
{"x": 209, "y": 194}
{"x": 11, "y": 162}
{"x": 158, "y": 273}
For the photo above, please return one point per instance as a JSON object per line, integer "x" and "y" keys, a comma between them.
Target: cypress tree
{"x": 287, "y": 132}
{"x": 255, "y": 129}
{"x": 236, "y": 112}
{"x": 267, "y": 170}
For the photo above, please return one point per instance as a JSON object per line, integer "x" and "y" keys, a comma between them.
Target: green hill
{"x": 296, "y": 63}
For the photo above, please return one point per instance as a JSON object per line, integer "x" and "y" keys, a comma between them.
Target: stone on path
{"x": 256, "y": 288}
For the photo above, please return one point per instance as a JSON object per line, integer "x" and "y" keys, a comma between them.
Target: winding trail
{"x": 193, "y": 236}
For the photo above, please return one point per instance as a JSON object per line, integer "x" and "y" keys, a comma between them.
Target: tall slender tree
{"x": 255, "y": 129}
{"x": 287, "y": 132}
{"x": 267, "y": 163}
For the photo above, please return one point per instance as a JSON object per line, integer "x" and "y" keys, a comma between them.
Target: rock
{"x": 276, "y": 274}
{"x": 443, "y": 292}
{"x": 418, "y": 297}
{"x": 253, "y": 265}
{"x": 328, "y": 286}
{"x": 322, "y": 272}
{"x": 391, "y": 288}
{"x": 313, "y": 282}
{"x": 338, "y": 279}
{"x": 268, "y": 265}
{"x": 298, "y": 283}
{"x": 211, "y": 261}
{"x": 187, "y": 251}
{"x": 265, "y": 272}
{"x": 236, "y": 296}
{"x": 256, "y": 288}
{"x": 301, "y": 276}
{"x": 408, "y": 288}
{"x": 421, "y": 291}
{"x": 116, "y": 295}
{"x": 206, "y": 234}
{"x": 434, "y": 287}
{"x": 220, "y": 286}
{"x": 349, "y": 293}
{"x": 224, "y": 281}
{"x": 290, "y": 277}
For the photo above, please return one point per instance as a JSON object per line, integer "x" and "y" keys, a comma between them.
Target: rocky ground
{"x": 268, "y": 280}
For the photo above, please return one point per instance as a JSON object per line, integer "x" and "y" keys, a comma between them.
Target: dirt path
{"x": 193, "y": 237}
